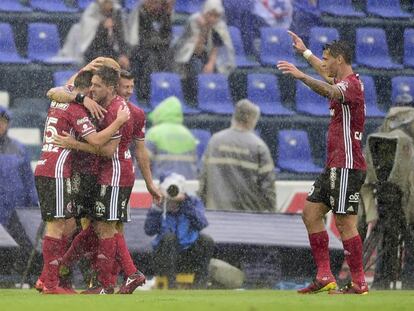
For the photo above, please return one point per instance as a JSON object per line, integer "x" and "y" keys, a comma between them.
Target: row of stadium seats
{"x": 387, "y": 9}
{"x": 371, "y": 48}
{"x": 293, "y": 148}
{"x": 214, "y": 95}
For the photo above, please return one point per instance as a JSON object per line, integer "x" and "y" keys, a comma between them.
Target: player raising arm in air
{"x": 337, "y": 188}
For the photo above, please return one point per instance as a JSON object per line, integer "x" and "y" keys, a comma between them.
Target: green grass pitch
{"x": 195, "y": 300}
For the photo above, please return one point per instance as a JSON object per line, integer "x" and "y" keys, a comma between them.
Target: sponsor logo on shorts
{"x": 332, "y": 201}
{"x": 103, "y": 190}
{"x": 68, "y": 186}
{"x": 99, "y": 209}
{"x": 312, "y": 189}
{"x": 69, "y": 207}
{"x": 332, "y": 177}
{"x": 350, "y": 209}
{"x": 354, "y": 198}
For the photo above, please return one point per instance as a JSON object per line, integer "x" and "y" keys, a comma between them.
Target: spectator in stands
{"x": 306, "y": 14}
{"x": 16, "y": 177}
{"x": 171, "y": 145}
{"x": 179, "y": 246}
{"x": 149, "y": 35}
{"x": 204, "y": 47}
{"x": 100, "y": 32}
{"x": 238, "y": 170}
{"x": 272, "y": 13}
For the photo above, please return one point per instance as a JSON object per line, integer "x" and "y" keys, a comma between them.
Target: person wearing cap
{"x": 176, "y": 223}
{"x": 16, "y": 177}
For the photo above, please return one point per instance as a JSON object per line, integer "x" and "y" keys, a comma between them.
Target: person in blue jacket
{"x": 16, "y": 177}
{"x": 179, "y": 246}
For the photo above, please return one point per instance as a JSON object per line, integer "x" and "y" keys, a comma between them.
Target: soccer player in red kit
{"x": 53, "y": 172}
{"x": 337, "y": 188}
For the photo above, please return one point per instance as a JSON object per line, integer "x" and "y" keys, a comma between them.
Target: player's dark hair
{"x": 83, "y": 79}
{"x": 125, "y": 74}
{"x": 109, "y": 76}
{"x": 339, "y": 47}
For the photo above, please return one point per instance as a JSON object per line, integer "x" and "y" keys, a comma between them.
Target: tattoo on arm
{"x": 322, "y": 88}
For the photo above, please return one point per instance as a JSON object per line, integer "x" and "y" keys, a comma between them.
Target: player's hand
{"x": 156, "y": 194}
{"x": 95, "y": 64}
{"x": 65, "y": 140}
{"x": 96, "y": 110}
{"x": 123, "y": 114}
{"x": 290, "y": 69}
{"x": 298, "y": 44}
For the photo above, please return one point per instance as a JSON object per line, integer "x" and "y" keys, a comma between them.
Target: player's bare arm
{"x": 322, "y": 88}
{"x": 313, "y": 60}
{"x": 143, "y": 161}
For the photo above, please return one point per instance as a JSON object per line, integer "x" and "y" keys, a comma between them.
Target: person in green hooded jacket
{"x": 171, "y": 145}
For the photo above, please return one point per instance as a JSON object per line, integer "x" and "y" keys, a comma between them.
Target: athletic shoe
{"x": 132, "y": 282}
{"x": 98, "y": 290}
{"x": 319, "y": 285}
{"x": 352, "y": 288}
{"x": 39, "y": 285}
{"x": 54, "y": 291}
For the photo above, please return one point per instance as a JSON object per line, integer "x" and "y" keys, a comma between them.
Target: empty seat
{"x": 8, "y": 51}
{"x": 61, "y": 77}
{"x": 371, "y": 104}
{"x": 372, "y": 49}
{"x": 308, "y": 102}
{"x": 27, "y": 136}
{"x": 44, "y": 43}
{"x": 402, "y": 85}
{"x": 52, "y": 6}
{"x": 203, "y": 137}
{"x": 177, "y": 31}
{"x": 83, "y": 4}
{"x": 319, "y": 36}
{"x": 386, "y": 8}
{"x": 214, "y": 94}
{"x": 241, "y": 59}
{"x": 188, "y": 6}
{"x": 276, "y": 45}
{"x": 409, "y": 47}
{"x": 294, "y": 152}
{"x": 263, "y": 90}
{"x": 4, "y": 99}
{"x": 339, "y": 8}
{"x": 166, "y": 84}
{"x": 13, "y": 6}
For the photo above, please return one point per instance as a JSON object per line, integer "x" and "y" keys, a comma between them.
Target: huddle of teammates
{"x": 86, "y": 171}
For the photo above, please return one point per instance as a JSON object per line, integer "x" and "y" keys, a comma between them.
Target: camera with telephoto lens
{"x": 173, "y": 185}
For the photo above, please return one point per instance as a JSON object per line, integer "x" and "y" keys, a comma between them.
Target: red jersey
{"x": 73, "y": 118}
{"x": 138, "y": 119}
{"x": 118, "y": 170}
{"x": 347, "y": 125}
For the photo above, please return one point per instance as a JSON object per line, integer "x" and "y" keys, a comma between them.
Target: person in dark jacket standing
{"x": 179, "y": 246}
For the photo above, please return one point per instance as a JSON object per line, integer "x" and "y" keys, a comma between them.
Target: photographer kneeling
{"x": 179, "y": 246}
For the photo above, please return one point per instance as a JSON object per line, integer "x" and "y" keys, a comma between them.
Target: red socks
{"x": 123, "y": 256}
{"x": 52, "y": 252}
{"x": 84, "y": 244}
{"x": 353, "y": 255}
{"x": 105, "y": 261}
{"x": 319, "y": 244}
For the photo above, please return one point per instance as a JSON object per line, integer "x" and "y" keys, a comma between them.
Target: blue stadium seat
{"x": 203, "y": 136}
{"x": 308, "y": 102}
{"x": 214, "y": 94}
{"x": 83, "y": 4}
{"x": 188, "y": 6}
{"x": 263, "y": 90}
{"x": 276, "y": 45}
{"x": 319, "y": 36}
{"x": 409, "y": 47}
{"x": 241, "y": 59}
{"x": 8, "y": 51}
{"x": 61, "y": 77}
{"x": 339, "y": 8}
{"x": 177, "y": 31}
{"x": 130, "y": 4}
{"x": 52, "y": 6}
{"x": 13, "y": 6}
{"x": 44, "y": 41}
{"x": 402, "y": 85}
{"x": 166, "y": 84}
{"x": 370, "y": 91}
{"x": 294, "y": 152}
{"x": 372, "y": 49}
{"x": 386, "y": 8}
